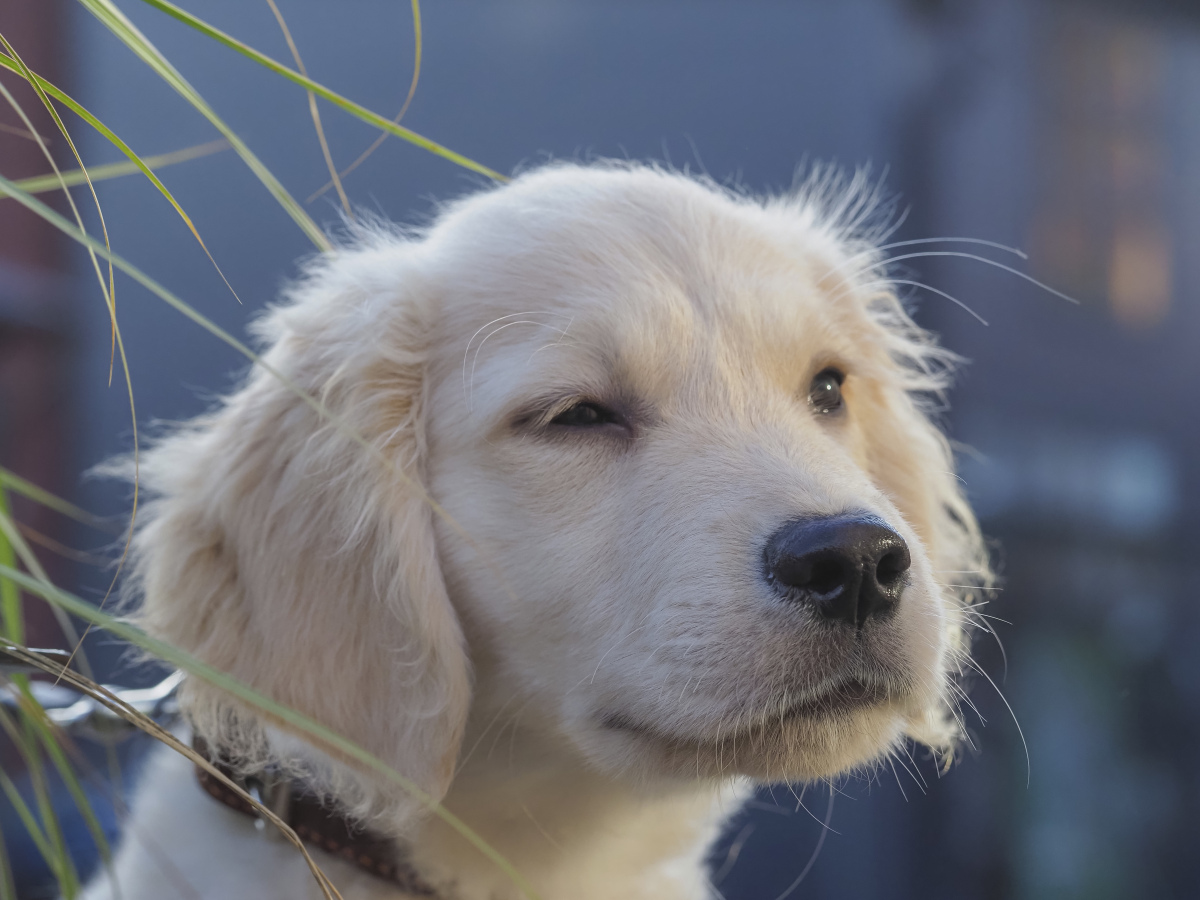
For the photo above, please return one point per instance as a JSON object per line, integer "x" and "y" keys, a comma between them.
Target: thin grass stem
{"x": 116, "y": 22}
{"x": 313, "y": 111}
{"x": 41, "y": 183}
{"x": 412, "y": 90}
{"x": 355, "y": 109}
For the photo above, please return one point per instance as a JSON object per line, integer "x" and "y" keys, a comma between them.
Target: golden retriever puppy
{"x": 623, "y": 498}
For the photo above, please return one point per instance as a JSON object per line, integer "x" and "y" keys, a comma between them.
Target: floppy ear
{"x": 278, "y": 549}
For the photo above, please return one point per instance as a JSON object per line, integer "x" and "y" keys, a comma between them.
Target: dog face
{"x": 639, "y": 410}
{"x": 643, "y": 454}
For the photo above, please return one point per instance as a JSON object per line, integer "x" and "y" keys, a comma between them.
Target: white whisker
{"x": 816, "y": 852}
{"x": 1020, "y": 732}
{"x": 920, "y": 284}
{"x": 883, "y": 248}
{"x": 982, "y": 259}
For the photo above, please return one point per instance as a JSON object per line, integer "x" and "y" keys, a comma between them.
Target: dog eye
{"x": 586, "y": 415}
{"x": 825, "y": 392}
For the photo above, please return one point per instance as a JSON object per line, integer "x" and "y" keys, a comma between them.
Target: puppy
{"x": 614, "y": 493}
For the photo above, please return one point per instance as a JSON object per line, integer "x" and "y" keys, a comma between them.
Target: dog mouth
{"x": 844, "y": 697}
{"x": 838, "y": 700}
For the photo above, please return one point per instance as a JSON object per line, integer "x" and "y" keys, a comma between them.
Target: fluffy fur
{"x": 562, "y": 634}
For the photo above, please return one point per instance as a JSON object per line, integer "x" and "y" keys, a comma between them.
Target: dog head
{"x": 648, "y": 455}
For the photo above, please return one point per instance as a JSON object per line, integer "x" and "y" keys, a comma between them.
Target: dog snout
{"x": 847, "y": 568}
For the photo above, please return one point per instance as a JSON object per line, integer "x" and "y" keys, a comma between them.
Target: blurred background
{"x": 1068, "y": 129}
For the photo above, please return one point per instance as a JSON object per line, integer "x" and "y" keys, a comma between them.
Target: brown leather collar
{"x": 316, "y": 824}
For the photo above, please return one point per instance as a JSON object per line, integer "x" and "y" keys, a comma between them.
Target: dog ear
{"x": 281, "y": 550}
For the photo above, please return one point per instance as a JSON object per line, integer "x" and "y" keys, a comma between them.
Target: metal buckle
{"x": 275, "y": 793}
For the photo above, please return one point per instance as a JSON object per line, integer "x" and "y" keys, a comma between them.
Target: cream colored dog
{"x": 647, "y": 509}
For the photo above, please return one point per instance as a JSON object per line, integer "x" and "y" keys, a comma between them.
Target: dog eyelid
{"x": 586, "y": 414}
{"x": 564, "y": 414}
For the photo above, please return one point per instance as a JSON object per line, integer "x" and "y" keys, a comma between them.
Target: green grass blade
{"x": 371, "y": 118}
{"x": 8, "y": 888}
{"x": 150, "y": 727}
{"x": 116, "y": 141}
{"x": 324, "y": 736}
{"x": 11, "y": 615}
{"x": 49, "y": 838}
{"x": 42, "y": 183}
{"x": 11, "y": 539}
{"x": 10, "y": 189}
{"x": 46, "y": 732}
{"x": 127, "y": 32}
{"x": 11, "y": 618}
{"x": 18, "y": 485}
{"x": 29, "y": 822}
{"x": 108, "y": 289}
{"x": 71, "y": 104}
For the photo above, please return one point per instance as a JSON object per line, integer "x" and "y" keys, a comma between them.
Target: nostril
{"x": 828, "y": 576}
{"x": 820, "y": 574}
{"x": 892, "y": 567}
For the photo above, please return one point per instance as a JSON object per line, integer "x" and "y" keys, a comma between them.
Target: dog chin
{"x": 802, "y": 744}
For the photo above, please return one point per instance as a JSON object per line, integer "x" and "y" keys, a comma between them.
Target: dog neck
{"x": 567, "y": 829}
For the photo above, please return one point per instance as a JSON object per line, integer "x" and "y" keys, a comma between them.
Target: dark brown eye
{"x": 586, "y": 415}
{"x": 825, "y": 392}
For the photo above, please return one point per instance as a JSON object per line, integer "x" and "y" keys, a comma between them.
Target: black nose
{"x": 849, "y": 568}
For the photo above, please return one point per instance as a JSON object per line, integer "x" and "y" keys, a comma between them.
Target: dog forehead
{"x": 645, "y": 267}
{"x": 573, "y": 224}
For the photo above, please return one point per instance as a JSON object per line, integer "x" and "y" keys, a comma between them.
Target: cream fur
{"x": 576, "y": 651}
